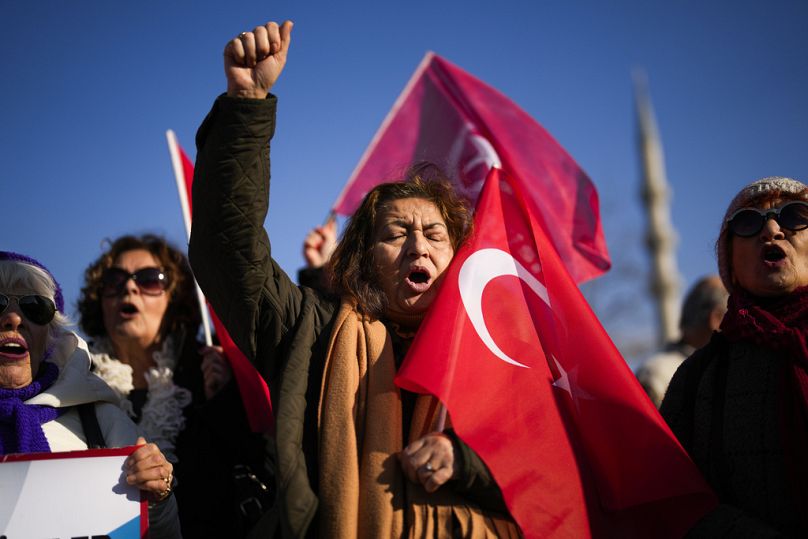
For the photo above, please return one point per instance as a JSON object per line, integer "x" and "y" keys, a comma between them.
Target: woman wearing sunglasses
{"x": 139, "y": 307}
{"x": 43, "y": 366}
{"x": 740, "y": 404}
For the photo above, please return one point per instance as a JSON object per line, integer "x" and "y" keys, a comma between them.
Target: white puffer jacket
{"x": 76, "y": 385}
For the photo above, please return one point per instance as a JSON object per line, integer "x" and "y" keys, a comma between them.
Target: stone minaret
{"x": 656, "y": 196}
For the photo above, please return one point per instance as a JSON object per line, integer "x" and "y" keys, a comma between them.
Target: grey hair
{"x": 21, "y": 276}
{"x": 707, "y": 294}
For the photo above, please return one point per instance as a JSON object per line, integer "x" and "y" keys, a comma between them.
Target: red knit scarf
{"x": 779, "y": 324}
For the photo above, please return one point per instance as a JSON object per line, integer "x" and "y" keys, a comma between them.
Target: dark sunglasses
{"x": 747, "y": 222}
{"x": 150, "y": 281}
{"x": 37, "y": 309}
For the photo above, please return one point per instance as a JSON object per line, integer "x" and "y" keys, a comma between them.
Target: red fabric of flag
{"x": 187, "y": 176}
{"x": 450, "y": 118}
{"x": 534, "y": 385}
{"x": 252, "y": 386}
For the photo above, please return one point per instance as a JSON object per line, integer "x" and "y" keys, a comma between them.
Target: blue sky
{"x": 90, "y": 87}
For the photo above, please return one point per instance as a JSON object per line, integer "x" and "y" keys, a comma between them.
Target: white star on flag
{"x": 563, "y": 383}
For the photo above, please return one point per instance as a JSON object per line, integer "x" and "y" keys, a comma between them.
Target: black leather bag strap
{"x": 90, "y": 426}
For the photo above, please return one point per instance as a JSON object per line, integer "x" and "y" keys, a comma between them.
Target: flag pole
{"x": 176, "y": 163}
{"x": 441, "y": 418}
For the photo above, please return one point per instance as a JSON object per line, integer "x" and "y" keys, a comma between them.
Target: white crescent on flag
{"x": 471, "y": 157}
{"x": 477, "y": 271}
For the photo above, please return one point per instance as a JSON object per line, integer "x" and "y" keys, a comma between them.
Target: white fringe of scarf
{"x": 161, "y": 417}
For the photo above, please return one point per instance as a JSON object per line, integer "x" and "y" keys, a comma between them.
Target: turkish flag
{"x": 252, "y": 386}
{"x": 450, "y": 118}
{"x": 187, "y": 175}
{"x": 534, "y": 385}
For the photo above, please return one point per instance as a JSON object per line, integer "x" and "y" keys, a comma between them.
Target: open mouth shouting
{"x": 418, "y": 280}
{"x": 13, "y": 348}
{"x": 773, "y": 256}
{"x": 127, "y": 310}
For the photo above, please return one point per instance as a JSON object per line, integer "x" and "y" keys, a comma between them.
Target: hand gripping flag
{"x": 448, "y": 117}
{"x": 252, "y": 387}
{"x": 533, "y": 384}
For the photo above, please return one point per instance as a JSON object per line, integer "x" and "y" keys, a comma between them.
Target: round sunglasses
{"x": 150, "y": 281}
{"x": 748, "y": 222}
{"x": 38, "y": 309}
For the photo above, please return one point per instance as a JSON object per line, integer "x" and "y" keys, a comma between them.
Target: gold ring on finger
{"x": 164, "y": 494}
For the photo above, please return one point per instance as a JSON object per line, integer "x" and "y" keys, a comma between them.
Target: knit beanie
{"x": 747, "y": 197}
{"x": 58, "y": 298}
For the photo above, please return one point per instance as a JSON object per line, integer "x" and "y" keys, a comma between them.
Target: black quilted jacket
{"x": 282, "y": 328}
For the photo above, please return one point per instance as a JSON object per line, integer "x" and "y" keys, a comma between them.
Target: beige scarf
{"x": 362, "y": 490}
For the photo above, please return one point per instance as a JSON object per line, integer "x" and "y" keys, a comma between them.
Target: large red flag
{"x": 533, "y": 384}
{"x": 448, "y": 117}
{"x": 252, "y": 387}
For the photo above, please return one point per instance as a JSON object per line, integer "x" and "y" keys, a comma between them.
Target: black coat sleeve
{"x": 229, "y": 248}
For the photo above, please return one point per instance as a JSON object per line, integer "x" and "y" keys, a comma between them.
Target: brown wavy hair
{"x": 352, "y": 269}
{"x": 183, "y": 308}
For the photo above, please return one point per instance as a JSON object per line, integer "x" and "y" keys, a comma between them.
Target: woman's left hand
{"x": 215, "y": 370}
{"x": 429, "y": 461}
{"x": 148, "y": 469}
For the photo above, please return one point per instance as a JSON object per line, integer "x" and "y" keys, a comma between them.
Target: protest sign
{"x": 71, "y": 494}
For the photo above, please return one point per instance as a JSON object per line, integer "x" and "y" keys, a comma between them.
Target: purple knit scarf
{"x": 20, "y": 423}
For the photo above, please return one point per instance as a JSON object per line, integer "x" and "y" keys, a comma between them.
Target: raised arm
{"x": 229, "y": 249}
